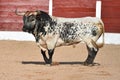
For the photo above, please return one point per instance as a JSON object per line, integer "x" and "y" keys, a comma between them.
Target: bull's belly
{"x": 60, "y": 42}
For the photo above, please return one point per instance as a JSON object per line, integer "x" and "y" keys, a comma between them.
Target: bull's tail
{"x": 103, "y": 31}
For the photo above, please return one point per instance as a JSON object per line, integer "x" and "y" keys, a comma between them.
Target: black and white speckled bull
{"x": 51, "y": 32}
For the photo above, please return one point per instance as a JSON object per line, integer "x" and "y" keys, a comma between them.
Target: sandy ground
{"x": 23, "y": 61}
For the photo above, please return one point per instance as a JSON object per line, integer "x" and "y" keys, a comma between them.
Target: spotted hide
{"x": 51, "y": 32}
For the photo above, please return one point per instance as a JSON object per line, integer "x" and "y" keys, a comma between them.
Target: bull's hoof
{"x": 88, "y": 64}
{"x": 48, "y": 65}
{"x": 48, "y": 62}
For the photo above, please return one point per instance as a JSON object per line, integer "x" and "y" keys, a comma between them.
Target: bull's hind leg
{"x": 92, "y": 52}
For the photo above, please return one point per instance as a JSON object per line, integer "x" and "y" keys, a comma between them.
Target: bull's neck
{"x": 40, "y": 27}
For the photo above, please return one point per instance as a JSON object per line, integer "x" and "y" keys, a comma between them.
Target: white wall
{"x": 110, "y": 38}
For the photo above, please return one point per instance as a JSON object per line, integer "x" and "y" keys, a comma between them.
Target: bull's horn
{"x": 19, "y": 13}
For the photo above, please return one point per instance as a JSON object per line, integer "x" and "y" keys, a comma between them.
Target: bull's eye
{"x": 32, "y": 19}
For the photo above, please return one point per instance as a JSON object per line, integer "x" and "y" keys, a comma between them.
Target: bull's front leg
{"x": 44, "y": 56}
{"x": 51, "y": 42}
{"x": 50, "y": 53}
{"x": 48, "y": 60}
{"x": 50, "y": 46}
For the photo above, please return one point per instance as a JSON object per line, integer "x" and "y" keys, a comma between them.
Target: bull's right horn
{"x": 19, "y": 13}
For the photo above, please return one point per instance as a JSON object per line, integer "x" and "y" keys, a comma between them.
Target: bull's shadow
{"x": 57, "y": 63}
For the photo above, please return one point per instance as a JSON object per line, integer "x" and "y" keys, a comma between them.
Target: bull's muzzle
{"x": 26, "y": 30}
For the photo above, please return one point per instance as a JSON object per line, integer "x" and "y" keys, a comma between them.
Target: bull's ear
{"x": 38, "y": 15}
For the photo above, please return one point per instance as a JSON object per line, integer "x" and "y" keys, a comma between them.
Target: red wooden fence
{"x": 63, "y": 8}
{"x": 111, "y": 15}
{"x": 74, "y": 8}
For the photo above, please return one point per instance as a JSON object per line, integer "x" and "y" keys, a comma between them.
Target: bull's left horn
{"x": 19, "y": 13}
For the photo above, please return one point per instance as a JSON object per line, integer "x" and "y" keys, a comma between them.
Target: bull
{"x": 51, "y": 32}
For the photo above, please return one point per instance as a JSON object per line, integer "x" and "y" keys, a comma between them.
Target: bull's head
{"x": 33, "y": 19}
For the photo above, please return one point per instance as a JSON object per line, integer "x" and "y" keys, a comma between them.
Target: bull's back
{"x": 78, "y": 29}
